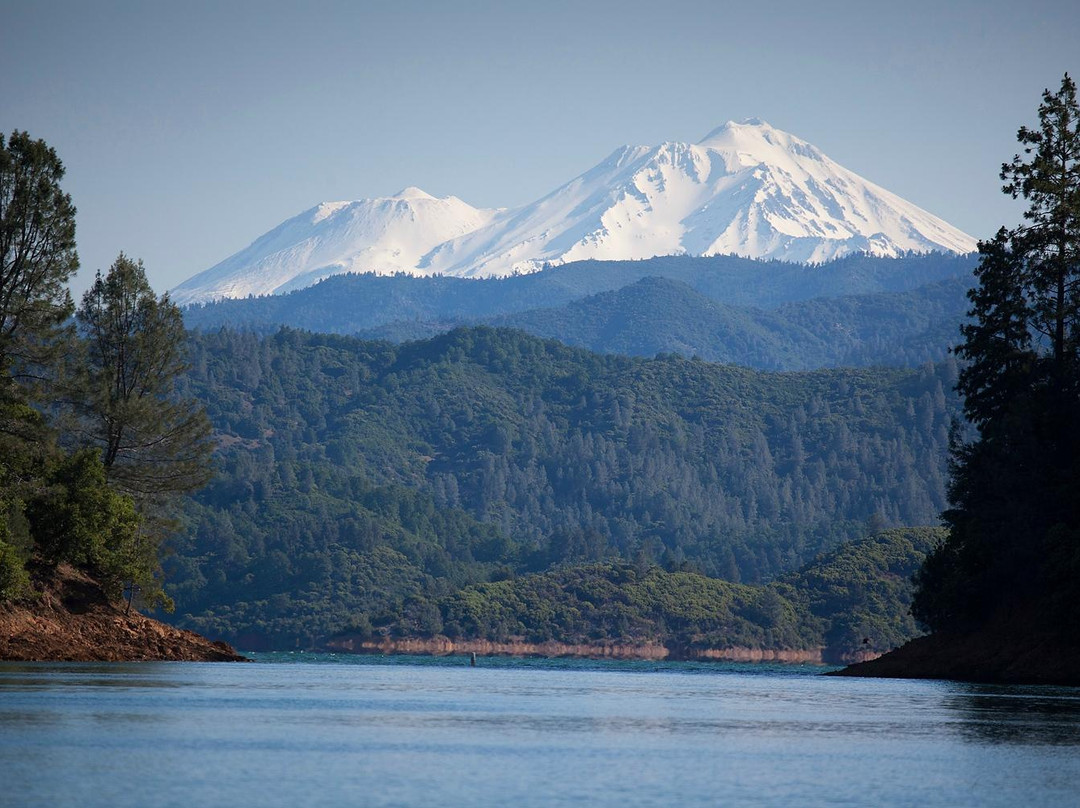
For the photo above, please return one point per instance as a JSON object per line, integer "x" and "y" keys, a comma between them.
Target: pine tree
{"x": 54, "y": 507}
{"x": 37, "y": 250}
{"x": 1015, "y": 518}
{"x": 37, "y": 257}
{"x": 152, "y": 441}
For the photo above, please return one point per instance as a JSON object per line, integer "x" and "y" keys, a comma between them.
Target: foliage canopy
{"x": 487, "y": 453}
{"x": 65, "y": 496}
{"x": 1015, "y": 517}
{"x": 151, "y": 441}
{"x": 37, "y": 252}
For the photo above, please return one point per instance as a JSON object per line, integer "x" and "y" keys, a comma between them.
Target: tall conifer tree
{"x": 1014, "y": 523}
{"x": 37, "y": 249}
{"x": 152, "y": 441}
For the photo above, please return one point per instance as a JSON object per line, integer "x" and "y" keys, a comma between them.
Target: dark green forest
{"x": 855, "y": 598}
{"x": 656, "y": 315}
{"x": 346, "y": 304}
{"x": 485, "y": 454}
{"x": 1013, "y": 551}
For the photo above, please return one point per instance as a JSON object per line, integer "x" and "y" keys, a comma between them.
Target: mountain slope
{"x": 657, "y": 315}
{"x": 747, "y": 189}
{"x": 385, "y": 235}
{"x": 350, "y": 470}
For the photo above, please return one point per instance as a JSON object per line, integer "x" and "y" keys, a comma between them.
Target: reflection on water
{"x": 401, "y": 732}
{"x": 51, "y": 675}
{"x": 1026, "y": 716}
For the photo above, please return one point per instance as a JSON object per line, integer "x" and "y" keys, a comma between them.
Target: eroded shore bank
{"x": 443, "y": 646}
{"x": 71, "y": 620}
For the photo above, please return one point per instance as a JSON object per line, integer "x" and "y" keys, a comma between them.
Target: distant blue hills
{"x": 857, "y": 311}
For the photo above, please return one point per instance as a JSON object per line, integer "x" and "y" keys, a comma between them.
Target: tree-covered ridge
{"x": 349, "y": 303}
{"x": 656, "y": 315}
{"x": 483, "y": 453}
{"x": 856, "y": 310}
{"x": 852, "y": 600}
{"x": 859, "y": 595}
{"x": 620, "y": 602}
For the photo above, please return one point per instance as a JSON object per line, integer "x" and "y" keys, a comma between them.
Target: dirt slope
{"x": 72, "y": 620}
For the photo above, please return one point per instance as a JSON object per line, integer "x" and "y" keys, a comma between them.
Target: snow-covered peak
{"x": 727, "y": 132}
{"x": 412, "y": 192}
{"x": 383, "y": 235}
{"x": 327, "y": 209}
{"x": 746, "y": 188}
{"x": 754, "y": 141}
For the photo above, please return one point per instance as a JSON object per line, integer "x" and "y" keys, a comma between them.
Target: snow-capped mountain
{"x": 746, "y": 188}
{"x": 384, "y": 235}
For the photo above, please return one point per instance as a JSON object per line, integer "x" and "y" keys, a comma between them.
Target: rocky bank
{"x": 70, "y": 619}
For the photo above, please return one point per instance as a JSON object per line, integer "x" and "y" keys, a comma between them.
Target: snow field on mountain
{"x": 746, "y": 188}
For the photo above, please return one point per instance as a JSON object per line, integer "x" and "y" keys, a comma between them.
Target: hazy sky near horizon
{"x": 189, "y": 129}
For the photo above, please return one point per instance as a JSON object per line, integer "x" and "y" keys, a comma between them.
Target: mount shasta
{"x": 746, "y": 188}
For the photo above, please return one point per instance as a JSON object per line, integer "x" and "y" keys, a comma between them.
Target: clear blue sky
{"x": 189, "y": 129}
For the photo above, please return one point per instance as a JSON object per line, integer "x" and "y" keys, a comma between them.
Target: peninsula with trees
{"x": 1001, "y": 593}
{"x": 94, "y": 445}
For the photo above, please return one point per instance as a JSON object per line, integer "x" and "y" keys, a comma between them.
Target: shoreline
{"x": 644, "y": 651}
{"x": 1000, "y": 654}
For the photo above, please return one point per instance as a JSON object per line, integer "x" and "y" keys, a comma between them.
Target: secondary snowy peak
{"x": 383, "y": 235}
{"x": 746, "y": 188}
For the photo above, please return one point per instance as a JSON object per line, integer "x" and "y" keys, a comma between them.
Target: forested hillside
{"x": 757, "y": 313}
{"x": 486, "y": 453}
{"x": 852, "y": 600}
{"x": 656, "y": 315}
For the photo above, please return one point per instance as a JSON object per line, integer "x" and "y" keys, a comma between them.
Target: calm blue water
{"x": 363, "y": 731}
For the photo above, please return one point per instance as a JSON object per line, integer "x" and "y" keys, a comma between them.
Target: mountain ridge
{"x": 769, "y": 315}
{"x": 745, "y": 189}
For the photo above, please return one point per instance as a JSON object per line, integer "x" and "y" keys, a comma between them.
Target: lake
{"x": 321, "y": 730}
